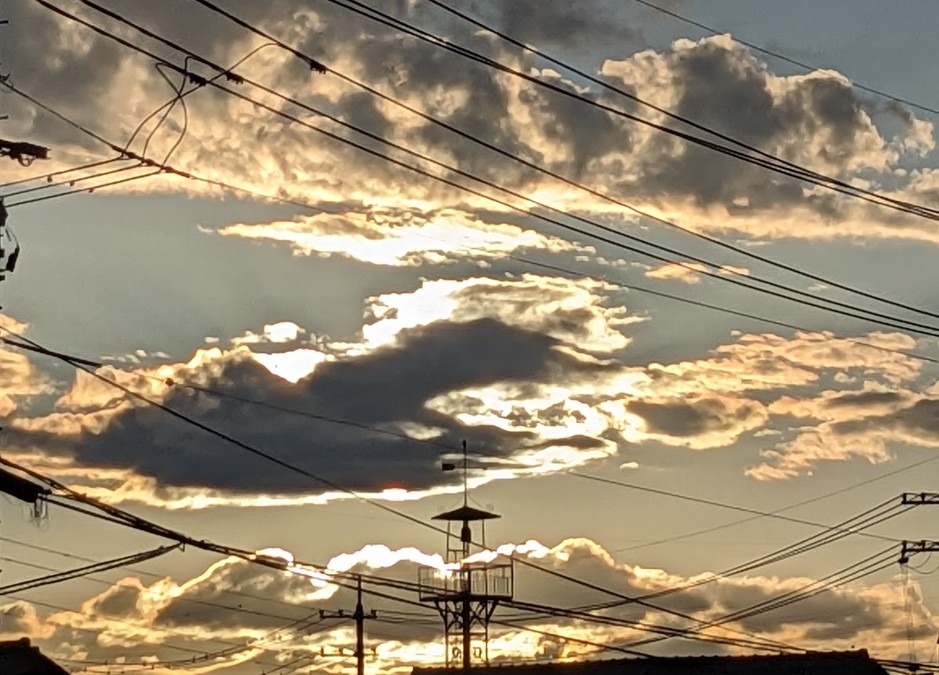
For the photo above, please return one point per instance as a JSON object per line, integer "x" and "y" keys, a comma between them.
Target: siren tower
{"x": 468, "y": 590}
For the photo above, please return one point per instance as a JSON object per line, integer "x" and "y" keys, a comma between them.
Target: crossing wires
{"x": 596, "y": 231}
{"x": 601, "y": 195}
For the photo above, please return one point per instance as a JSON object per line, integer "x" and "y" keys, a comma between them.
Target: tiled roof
{"x": 820, "y": 663}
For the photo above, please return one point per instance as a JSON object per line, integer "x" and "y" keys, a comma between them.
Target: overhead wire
{"x": 70, "y": 182}
{"x": 59, "y": 576}
{"x": 788, "y": 59}
{"x": 804, "y": 502}
{"x": 163, "y": 643}
{"x": 810, "y": 175}
{"x": 178, "y": 99}
{"x": 762, "y": 158}
{"x": 768, "y": 287}
{"x": 533, "y": 263}
{"x": 181, "y": 93}
{"x": 280, "y": 564}
{"x": 21, "y": 342}
{"x": 861, "y": 569}
{"x": 711, "y": 502}
{"x": 803, "y": 546}
{"x": 557, "y": 176}
{"x": 125, "y": 153}
{"x": 61, "y": 172}
{"x": 85, "y": 190}
{"x": 334, "y": 578}
{"x": 630, "y": 599}
{"x": 205, "y": 603}
{"x": 643, "y": 626}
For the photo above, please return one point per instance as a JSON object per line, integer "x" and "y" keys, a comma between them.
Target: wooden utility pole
{"x": 359, "y": 616}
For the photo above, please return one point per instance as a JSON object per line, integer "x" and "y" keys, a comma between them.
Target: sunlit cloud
{"x": 231, "y": 600}
{"x": 401, "y": 239}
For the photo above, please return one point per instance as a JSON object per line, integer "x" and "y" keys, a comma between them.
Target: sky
{"x": 591, "y": 317}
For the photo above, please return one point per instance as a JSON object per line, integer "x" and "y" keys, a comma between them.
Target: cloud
{"x": 688, "y": 273}
{"x": 767, "y": 362}
{"x": 573, "y": 311}
{"x": 691, "y": 272}
{"x": 865, "y": 424}
{"x": 526, "y": 369}
{"x": 700, "y": 422}
{"x": 235, "y": 612}
{"x": 815, "y": 119}
{"x": 401, "y": 239}
{"x": 557, "y": 22}
{"x": 389, "y": 402}
{"x": 20, "y": 378}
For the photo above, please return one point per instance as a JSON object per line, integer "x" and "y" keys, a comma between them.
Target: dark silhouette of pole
{"x": 359, "y": 616}
{"x": 467, "y": 621}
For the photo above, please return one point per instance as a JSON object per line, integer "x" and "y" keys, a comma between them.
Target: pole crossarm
{"x": 919, "y": 498}
{"x": 22, "y": 152}
{"x": 913, "y": 547}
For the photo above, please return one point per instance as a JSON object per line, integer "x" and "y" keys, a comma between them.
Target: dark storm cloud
{"x": 382, "y": 389}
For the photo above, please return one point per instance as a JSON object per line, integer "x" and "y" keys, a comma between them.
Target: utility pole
{"x": 910, "y": 548}
{"x": 913, "y": 547}
{"x": 25, "y": 153}
{"x": 923, "y": 546}
{"x": 359, "y": 616}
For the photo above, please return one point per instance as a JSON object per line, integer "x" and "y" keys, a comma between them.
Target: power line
{"x": 68, "y": 183}
{"x": 133, "y": 521}
{"x": 164, "y": 644}
{"x": 87, "y": 190}
{"x": 205, "y": 603}
{"x": 808, "y": 299}
{"x": 659, "y": 630}
{"x": 123, "y": 518}
{"x": 804, "y": 502}
{"x": 711, "y": 502}
{"x": 625, "y": 598}
{"x": 54, "y": 174}
{"x": 85, "y": 364}
{"x": 305, "y": 205}
{"x": 59, "y": 576}
{"x": 555, "y": 268}
{"x": 800, "y": 547}
{"x": 763, "y": 159}
{"x": 545, "y": 171}
{"x": 788, "y": 59}
{"x": 864, "y": 568}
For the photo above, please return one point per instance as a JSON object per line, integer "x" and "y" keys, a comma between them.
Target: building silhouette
{"x": 19, "y": 657}
{"x": 818, "y": 663}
